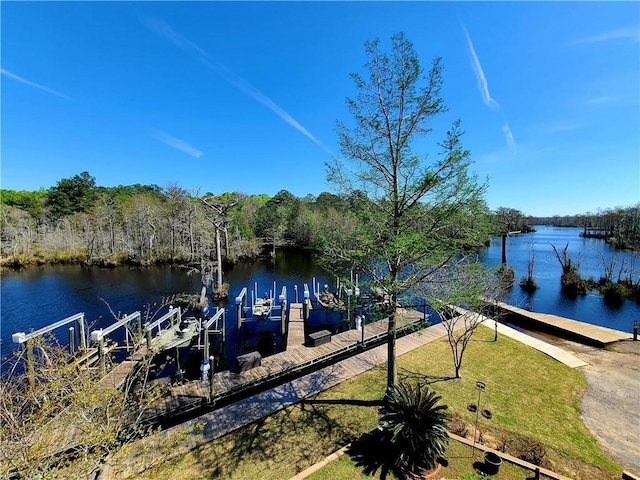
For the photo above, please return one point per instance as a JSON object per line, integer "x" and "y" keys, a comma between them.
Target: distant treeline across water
{"x": 77, "y": 221}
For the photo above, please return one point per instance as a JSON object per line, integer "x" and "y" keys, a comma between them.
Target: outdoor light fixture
{"x": 480, "y": 386}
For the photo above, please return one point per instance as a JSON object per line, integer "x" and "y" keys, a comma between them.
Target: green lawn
{"x": 460, "y": 460}
{"x": 529, "y": 394}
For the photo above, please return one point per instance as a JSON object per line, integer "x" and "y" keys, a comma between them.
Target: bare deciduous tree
{"x": 462, "y": 294}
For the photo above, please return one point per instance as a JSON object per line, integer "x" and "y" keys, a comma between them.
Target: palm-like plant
{"x": 411, "y": 436}
{"x": 415, "y": 427}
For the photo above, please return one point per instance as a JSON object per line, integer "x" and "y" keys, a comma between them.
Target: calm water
{"x": 589, "y": 253}
{"x": 38, "y": 296}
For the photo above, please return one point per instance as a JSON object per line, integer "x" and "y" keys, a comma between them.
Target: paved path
{"x": 553, "y": 351}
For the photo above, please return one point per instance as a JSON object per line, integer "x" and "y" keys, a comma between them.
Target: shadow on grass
{"x": 374, "y": 451}
{"x": 371, "y": 452}
{"x": 342, "y": 401}
{"x": 428, "y": 379}
{"x": 281, "y": 428}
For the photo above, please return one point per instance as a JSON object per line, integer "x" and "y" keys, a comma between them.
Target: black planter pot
{"x": 492, "y": 463}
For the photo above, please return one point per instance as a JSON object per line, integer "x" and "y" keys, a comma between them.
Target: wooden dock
{"x": 564, "y": 327}
{"x": 295, "y": 328}
{"x": 274, "y": 370}
{"x": 116, "y": 377}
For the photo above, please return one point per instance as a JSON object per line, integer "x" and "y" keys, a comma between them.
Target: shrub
{"x": 415, "y": 426}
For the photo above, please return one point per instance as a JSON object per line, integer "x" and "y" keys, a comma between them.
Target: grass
{"x": 460, "y": 460}
{"x": 529, "y": 394}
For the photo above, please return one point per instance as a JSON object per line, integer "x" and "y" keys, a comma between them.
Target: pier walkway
{"x": 554, "y": 352}
{"x": 295, "y": 328}
{"x": 563, "y": 327}
{"x": 229, "y": 386}
{"x": 119, "y": 374}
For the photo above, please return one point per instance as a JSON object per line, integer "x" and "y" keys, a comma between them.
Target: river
{"x": 589, "y": 253}
{"x": 38, "y": 296}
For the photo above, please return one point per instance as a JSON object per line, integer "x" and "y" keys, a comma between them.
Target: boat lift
{"x": 278, "y": 311}
{"x": 26, "y": 339}
{"x": 100, "y": 334}
{"x": 173, "y": 315}
{"x": 212, "y": 326}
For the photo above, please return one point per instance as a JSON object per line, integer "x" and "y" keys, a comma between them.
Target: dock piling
{"x": 72, "y": 340}
{"x": 31, "y": 370}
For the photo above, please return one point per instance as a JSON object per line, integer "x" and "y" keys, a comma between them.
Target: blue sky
{"x": 244, "y": 96}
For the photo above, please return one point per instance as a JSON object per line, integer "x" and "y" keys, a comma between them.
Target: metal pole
{"x": 636, "y": 323}
{"x": 480, "y": 386}
{"x": 211, "y": 369}
{"x": 206, "y": 343}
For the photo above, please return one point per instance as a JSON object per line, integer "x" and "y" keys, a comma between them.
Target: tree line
{"x": 77, "y": 221}
{"x": 620, "y": 225}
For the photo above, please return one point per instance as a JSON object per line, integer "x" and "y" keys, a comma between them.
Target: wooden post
{"x": 81, "y": 335}
{"x": 504, "y": 248}
{"x": 101, "y": 355}
{"x": 72, "y": 340}
{"x": 31, "y": 371}
{"x": 283, "y": 318}
{"x": 305, "y": 319}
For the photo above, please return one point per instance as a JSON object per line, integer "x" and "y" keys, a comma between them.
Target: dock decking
{"x": 277, "y": 368}
{"x": 565, "y": 327}
{"x": 295, "y": 328}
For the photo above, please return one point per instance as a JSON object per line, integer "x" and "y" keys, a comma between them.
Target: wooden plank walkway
{"x": 563, "y": 327}
{"x": 119, "y": 374}
{"x": 295, "y": 329}
{"x": 194, "y": 394}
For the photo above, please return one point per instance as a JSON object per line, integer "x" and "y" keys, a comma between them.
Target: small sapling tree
{"x": 462, "y": 294}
